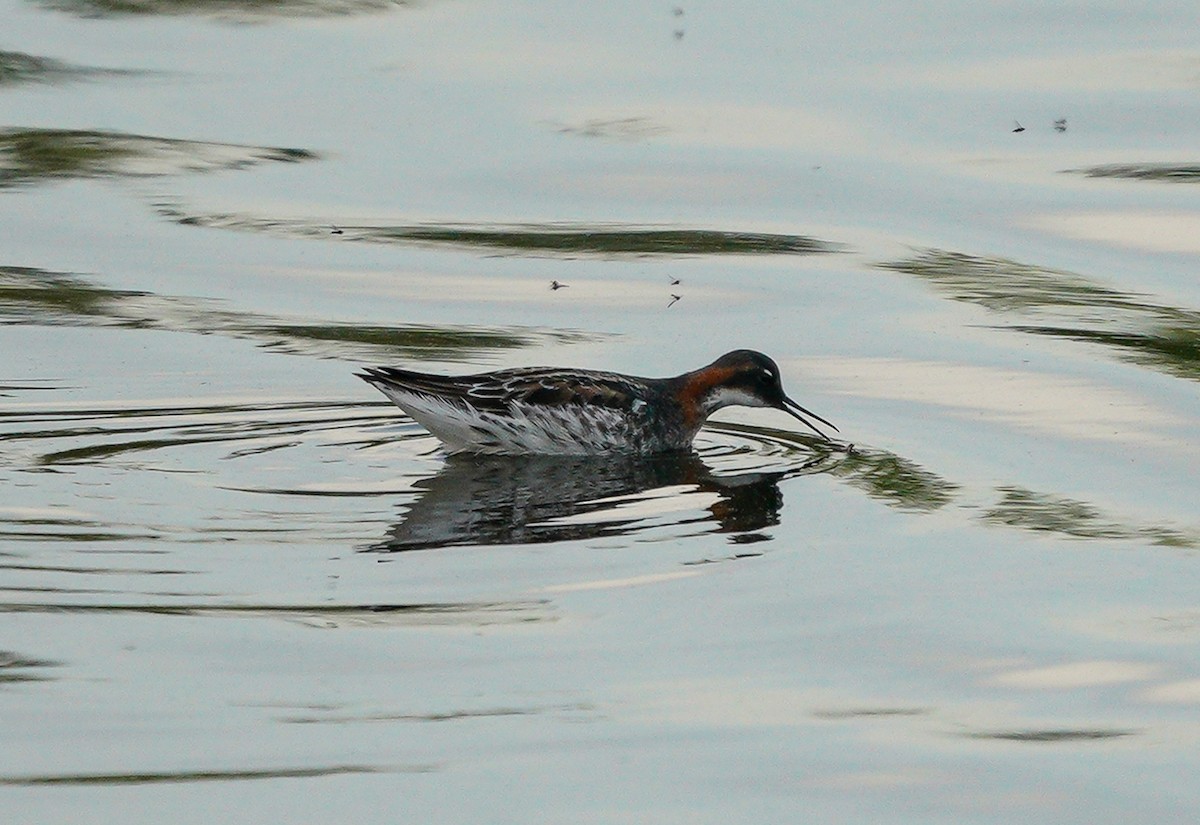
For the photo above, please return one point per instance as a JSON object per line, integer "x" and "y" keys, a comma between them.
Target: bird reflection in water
{"x": 531, "y": 499}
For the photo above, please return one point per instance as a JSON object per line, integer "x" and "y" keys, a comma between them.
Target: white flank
{"x": 576, "y": 429}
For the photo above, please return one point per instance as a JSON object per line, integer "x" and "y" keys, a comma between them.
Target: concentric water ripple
{"x": 186, "y": 509}
{"x": 730, "y": 448}
{"x": 133, "y": 481}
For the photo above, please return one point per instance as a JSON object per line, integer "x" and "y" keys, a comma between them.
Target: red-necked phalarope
{"x": 566, "y": 411}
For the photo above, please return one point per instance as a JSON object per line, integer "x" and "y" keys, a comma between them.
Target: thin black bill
{"x": 793, "y": 409}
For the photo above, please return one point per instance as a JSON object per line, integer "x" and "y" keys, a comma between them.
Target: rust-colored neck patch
{"x": 696, "y": 385}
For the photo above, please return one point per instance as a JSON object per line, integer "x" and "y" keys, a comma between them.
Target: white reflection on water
{"x": 1077, "y": 674}
{"x": 629, "y": 581}
{"x": 1186, "y": 691}
{"x": 1134, "y": 70}
{"x": 1152, "y": 230}
{"x": 582, "y": 293}
{"x": 1063, "y": 406}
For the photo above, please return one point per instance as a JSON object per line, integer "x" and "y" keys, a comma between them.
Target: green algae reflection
{"x": 17, "y": 668}
{"x": 1066, "y": 305}
{"x": 35, "y": 296}
{"x": 602, "y": 240}
{"x": 1162, "y": 172}
{"x": 17, "y": 67}
{"x": 1040, "y": 735}
{"x": 1051, "y": 513}
{"x": 550, "y": 239}
{"x": 894, "y": 480}
{"x": 30, "y": 156}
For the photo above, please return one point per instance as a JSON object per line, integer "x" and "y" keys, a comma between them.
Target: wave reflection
{"x": 725, "y": 487}
{"x": 556, "y": 239}
{"x": 1062, "y": 304}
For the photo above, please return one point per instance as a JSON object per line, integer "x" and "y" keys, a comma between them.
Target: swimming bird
{"x": 578, "y": 412}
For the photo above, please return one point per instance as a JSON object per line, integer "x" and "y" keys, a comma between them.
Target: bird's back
{"x": 538, "y": 410}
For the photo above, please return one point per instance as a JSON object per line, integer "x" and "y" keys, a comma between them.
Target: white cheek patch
{"x": 730, "y": 396}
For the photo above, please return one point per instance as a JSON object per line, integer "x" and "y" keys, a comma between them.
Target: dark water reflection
{"x": 236, "y": 9}
{"x": 469, "y": 614}
{"x": 1053, "y": 735}
{"x": 733, "y": 482}
{"x": 17, "y": 668}
{"x": 1067, "y": 305}
{"x": 1051, "y": 513}
{"x": 29, "y": 156}
{"x": 1165, "y": 172}
{"x": 38, "y": 296}
{"x": 482, "y": 500}
{"x": 173, "y": 777}
{"x": 561, "y": 239}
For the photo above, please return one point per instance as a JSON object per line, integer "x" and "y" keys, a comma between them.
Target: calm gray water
{"x": 236, "y": 585}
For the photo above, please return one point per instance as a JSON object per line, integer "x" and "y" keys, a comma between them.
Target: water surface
{"x": 236, "y": 584}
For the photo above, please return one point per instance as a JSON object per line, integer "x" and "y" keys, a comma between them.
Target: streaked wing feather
{"x": 498, "y": 391}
